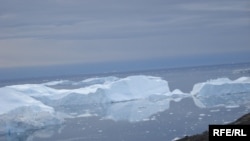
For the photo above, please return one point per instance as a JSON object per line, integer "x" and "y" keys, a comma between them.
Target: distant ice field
{"x": 165, "y": 100}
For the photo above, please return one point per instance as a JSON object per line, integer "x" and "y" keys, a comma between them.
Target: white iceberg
{"x": 32, "y": 106}
{"x": 222, "y": 91}
{"x": 136, "y": 87}
{"x": 96, "y": 90}
{"x": 11, "y": 99}
{"x": 133, "y": 98}
{"x": 19, "y": 112}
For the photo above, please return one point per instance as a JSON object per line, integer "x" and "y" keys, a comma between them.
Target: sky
{"x": 86, "y": 36}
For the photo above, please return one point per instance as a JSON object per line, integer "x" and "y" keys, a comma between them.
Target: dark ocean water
{"x": 181, "y": 117}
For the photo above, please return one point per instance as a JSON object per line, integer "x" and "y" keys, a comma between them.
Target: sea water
{"x": 120, "y": 106}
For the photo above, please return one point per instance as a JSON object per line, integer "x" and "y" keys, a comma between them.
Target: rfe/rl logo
{"x": 227, "y": 132}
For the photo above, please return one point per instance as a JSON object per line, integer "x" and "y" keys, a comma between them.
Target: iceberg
{"x": 132, "y": 98}
{"x": 11, "y": 99}
{"x": 136, "y": 87}
{"x": 96, "y": 90}
{"x": 222, "y": 91}
{"x": 19, "y": 112}
{"x": 34, "y": 106}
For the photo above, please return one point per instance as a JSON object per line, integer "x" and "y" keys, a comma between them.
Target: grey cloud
{"x": 88, "y": 19}
{"x": 87, "y": 31}
{"x": 217, "y": 6}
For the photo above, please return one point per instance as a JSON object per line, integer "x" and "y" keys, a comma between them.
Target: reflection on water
{"x": 29, "y": 135}
{"x": 130, "y": 111}
{"x": 147, "y": 120}
{"x": 138, "y": 110}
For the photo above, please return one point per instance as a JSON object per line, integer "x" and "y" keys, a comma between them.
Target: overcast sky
{"x": 35, "y": 33}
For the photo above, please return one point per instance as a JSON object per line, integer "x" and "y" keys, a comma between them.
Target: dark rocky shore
{"x": 244, "y": 120}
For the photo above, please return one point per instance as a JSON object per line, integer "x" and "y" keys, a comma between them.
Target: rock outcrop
{"x": 244, "y": 120}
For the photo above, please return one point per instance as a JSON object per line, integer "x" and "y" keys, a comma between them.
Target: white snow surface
{"x": 133, "y": 98}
